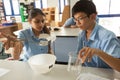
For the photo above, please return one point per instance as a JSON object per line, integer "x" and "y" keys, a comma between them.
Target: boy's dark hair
{"x": 85, "y": 6}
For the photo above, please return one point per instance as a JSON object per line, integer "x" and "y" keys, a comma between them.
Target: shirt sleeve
{"x": 21, "y": 36}
{"x": 111, "y": 46}
{"x": 80, "y": 43}
{"x": 69, "y": 22}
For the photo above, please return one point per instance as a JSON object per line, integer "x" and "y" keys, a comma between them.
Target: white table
{"x": 67, "y": 32}
{"x": 22, "y": 71}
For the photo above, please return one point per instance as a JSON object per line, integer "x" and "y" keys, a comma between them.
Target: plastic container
{"x": 42, "y": 63}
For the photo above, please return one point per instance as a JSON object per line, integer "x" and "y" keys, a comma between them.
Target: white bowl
{"x": 42, "y": 63}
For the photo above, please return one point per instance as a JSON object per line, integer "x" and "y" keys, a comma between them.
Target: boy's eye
{"x": 80, "y": 18}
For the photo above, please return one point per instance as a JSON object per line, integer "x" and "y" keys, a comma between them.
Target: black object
{"x": 56, "y": 29}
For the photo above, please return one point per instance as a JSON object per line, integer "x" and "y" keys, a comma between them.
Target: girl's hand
{"x": 11, "y": 41}
{"x": 8, "y": 40}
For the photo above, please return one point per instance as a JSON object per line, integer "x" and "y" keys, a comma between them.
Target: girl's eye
{"x": 42, "y": 21}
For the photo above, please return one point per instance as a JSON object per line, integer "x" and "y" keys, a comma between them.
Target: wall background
{"x": 51, "y": 3}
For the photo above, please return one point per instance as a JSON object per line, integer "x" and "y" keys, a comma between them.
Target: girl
{"x": 29, "y": 39}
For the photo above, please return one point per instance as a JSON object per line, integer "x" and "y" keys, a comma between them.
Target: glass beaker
{"x": 74, "y": 64}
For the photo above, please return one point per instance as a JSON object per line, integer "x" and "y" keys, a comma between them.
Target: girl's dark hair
{"x": 85, "y": 6}
{"x": 33, "y": 13}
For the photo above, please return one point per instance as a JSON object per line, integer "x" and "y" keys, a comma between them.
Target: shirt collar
{"x": 32, "y": 34}
{"x": 94, "y": 32}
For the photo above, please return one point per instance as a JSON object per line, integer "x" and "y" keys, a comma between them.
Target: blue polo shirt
{"x": 102, "y": 39}
{"x": 31, "y": 44}
{"x": 69, "y": 22}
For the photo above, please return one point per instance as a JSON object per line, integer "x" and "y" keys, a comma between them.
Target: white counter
{"x": 62, "y": 31}
{"x": 67, "y": 31}
{"x": 22, "y": 71}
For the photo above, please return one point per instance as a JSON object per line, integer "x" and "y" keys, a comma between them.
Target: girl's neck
{"x": 36, "y": 33}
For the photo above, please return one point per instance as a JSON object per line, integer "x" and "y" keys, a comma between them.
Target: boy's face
{"x": 83, "y": 21}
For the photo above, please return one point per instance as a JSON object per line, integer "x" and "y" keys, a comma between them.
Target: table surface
{"x": 22, "y": 71}
{"x": 67, "y": 32}
{"x": 4, "y": 27}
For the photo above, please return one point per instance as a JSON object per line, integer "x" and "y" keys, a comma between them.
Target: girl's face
{"x": 83, "y": 21}
{"x": 38, "y": 22}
